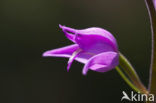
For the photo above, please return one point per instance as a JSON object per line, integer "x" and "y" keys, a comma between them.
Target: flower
{"x": 94, "y": 47}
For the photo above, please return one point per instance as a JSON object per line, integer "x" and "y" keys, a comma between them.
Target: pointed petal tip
{"x": 45, "y": 54}
{"x": 48, "y": 53}
{"x": 67, "y": 70}
{"x": 63, "y": 27}
{"x": 68, "y": 66}
{"x": 60, "y": 26}
{"x": 84, "y": 72}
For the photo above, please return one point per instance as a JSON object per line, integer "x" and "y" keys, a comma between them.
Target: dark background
{"x": 30, "y": 27}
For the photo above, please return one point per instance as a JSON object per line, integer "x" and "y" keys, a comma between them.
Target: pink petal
{"x": 71, "y": 59}
{"x": 69, "y": 32}
{"x": 98, "y": 31}
{"x": 102, "y": 62}
{"x": 94, "y": 40}
{"x": 95, "y": 43}
{"x": 67, "y": 52}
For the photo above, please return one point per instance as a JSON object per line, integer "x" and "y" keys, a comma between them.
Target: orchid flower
{"x": 94, "y": 47}
{"x": 97, "y": 49}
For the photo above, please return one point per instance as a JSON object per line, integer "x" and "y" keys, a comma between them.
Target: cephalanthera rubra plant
{"x": 97, "y": 49}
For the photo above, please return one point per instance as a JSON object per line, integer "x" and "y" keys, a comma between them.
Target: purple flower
{"x": 94, "y": 47}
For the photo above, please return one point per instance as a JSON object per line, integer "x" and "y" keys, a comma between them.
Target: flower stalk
{"x": 151, "y": 6}
{"x": 132, "y": 75}
{"x": 126, "y": 79}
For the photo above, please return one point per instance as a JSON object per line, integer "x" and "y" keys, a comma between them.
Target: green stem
{"x": 130, "y": 71}
{"x": 152, "y": 16}
{"x": 127, "y": 80}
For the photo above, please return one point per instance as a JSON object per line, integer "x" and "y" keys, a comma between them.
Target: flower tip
{"x": 60, "y": 26}
{"x": 45, "y": 54}
{"x": 84, "y": 73}
{"x": 68, "y": 67}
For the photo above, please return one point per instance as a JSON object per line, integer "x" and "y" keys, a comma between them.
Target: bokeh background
{"x": 30, "y": 27}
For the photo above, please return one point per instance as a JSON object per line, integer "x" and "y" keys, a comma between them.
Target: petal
{"x": 71, "y": 59}
{"x": 67, "y": 52}
{"x": 69, "y": 32}
{"x": 95, "y": 44}
{"x": 102, "y": 62}
{"x": 98, "y": 31}
{"x": 96, "y": 40}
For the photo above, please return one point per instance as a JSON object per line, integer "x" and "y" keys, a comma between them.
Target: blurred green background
{"x": 30, "y": 27}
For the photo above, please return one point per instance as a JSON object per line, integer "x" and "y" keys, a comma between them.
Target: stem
{"x": 152, "y": 16}
{"x": 129, "y": 70}
{"x": 127, "y": 80}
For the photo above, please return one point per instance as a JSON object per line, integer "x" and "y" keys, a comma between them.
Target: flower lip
{"x": 102, "y": 62}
